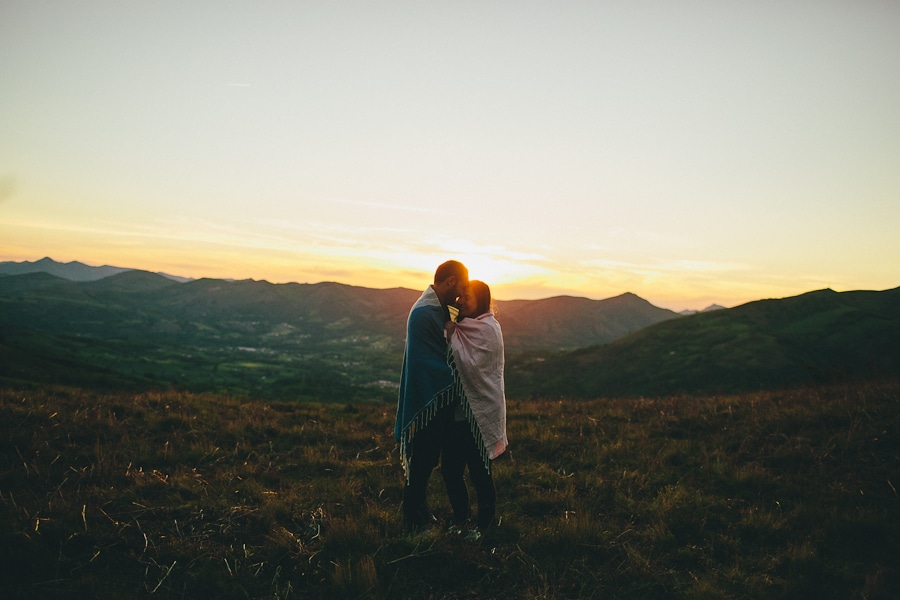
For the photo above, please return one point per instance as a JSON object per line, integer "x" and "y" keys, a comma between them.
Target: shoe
{"x": 418, "y": 522}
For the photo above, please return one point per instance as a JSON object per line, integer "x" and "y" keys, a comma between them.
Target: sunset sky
{"x": 688, "y": 152}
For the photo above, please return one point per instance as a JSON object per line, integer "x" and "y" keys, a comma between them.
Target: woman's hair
{"x": 482, "y": 294}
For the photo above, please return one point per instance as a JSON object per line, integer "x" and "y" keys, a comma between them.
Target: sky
{"x": 690, "y": 152}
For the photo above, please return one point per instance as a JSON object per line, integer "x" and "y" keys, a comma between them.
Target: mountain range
{"x": 709, "y": 308}
{"x": 136, "y": 328}
{"x": 331, "y": 341}
{"x": 818, "y": 337}
{"x": 138, "y": 303}
{"x": 73, "y": 271}
{"x": 559, "y": 323}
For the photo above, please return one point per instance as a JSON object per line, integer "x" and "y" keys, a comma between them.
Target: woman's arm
{"x": 449, "y": 330}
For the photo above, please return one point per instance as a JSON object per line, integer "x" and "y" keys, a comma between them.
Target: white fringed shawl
{"x": 478, "y": 352}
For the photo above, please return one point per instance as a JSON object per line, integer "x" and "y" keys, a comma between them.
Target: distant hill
{"x": 73, "y": 271}
{"x": 336, "y": 341}
{"x": 257, "y": 337}
{"x": 817, "y": 337}
{"x": 709, "y": 308}
{"x": 140, "y": 300}
{"x": 565, "y": 322}
{"x": 138, "y": 304}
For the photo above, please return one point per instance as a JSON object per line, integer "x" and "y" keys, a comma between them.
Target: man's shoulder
{"x": 426, "y": 311}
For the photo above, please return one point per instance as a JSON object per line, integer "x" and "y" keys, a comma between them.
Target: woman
{"x": 478, "y": 434}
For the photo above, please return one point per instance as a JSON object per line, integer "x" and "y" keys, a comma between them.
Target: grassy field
{"x": 340, "y": 370}
{"x": 169, "y": 495}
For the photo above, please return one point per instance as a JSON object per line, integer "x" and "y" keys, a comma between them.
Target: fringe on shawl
{"x": 445, "y": 397}
{"x": 470, "y": 416}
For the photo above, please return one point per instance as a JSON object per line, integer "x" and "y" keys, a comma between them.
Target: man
{"x": 427, "y": 395}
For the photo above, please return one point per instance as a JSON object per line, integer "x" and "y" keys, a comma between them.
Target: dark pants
{"x": 461, "y": 451}
{"x": 424, "y": 454}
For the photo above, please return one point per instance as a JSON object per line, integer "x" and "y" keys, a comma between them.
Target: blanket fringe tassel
{"x": 443, "y": 398}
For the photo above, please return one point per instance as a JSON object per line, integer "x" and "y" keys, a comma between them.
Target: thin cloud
{"x": 658, "y": 266}
{"x": 306, "y": 227}
{"x": 494, "y": 250}
{"x": 7, "y": 187}
{"x": 642, "y": 238}
{"x": 388, "y": 206}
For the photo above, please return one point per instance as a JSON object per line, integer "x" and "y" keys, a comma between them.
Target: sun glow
{"x": 494, "y": 265}
{"x": 582, "y": 186}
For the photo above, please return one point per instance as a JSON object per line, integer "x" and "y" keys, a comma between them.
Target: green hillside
{"x": 332, "y": 341}
{"x": 302, "y": 341}
{"x": 138, "y": 329}
{"x": 816, "y": 337}
{"x": 564, "y": 322}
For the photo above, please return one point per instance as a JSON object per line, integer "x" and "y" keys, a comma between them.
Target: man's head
{"x": 450, "y": 280}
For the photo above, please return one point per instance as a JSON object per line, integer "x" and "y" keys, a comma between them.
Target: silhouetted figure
{"x": 477, "y": 434}
{"x": 428, "y": 397}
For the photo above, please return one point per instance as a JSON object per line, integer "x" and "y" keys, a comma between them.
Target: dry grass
{"x": 778, "y": 495}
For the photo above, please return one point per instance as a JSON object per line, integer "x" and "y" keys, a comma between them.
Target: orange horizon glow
{"x": 415, "y": 274}
{"x": 582, "y": 149}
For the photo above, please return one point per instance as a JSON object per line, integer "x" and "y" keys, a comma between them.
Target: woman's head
{"x": 476, "y": 300}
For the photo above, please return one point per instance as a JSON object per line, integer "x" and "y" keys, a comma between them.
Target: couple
{"x": 452, "y": 405}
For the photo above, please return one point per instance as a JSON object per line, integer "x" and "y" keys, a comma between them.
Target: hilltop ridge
{"x": 817, "y": 337}
{"x": 335, "y": 341}
{"x": 326, "y": 340}
{"x": 73, "y": 270}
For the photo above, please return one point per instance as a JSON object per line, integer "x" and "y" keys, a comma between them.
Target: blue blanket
{"x": 426, "y": 379}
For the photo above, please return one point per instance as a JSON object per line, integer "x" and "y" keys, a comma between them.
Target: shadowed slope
{"x": 816, "y": 337}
